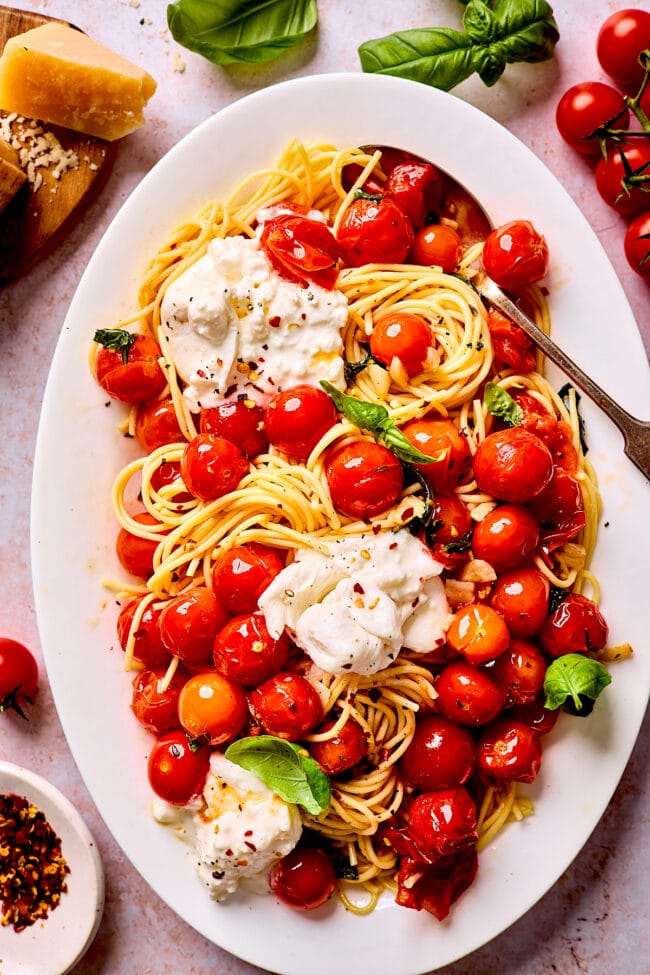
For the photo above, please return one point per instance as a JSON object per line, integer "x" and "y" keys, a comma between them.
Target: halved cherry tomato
{"x": 136, "y": 380}
{"x": 506, "y": 537}
{"x": 417, "y": 188}
{"x": 509, "y": 749}
{"x": 468, "y": 695}
{"x": 521, "y": 597}
{"x": 212, "y": 707}
{"x": 245, "y": 651}
{"x": 621, "y": 39}
{"x": 239, "y": 420}
{"x": 148, "y": 647}
{"x": 515, "y": 255}
{"x": 342, "y": 751}
{"x": 478, "y": 632}
{"x": 575, "y": 626}
{"x": 135, "y": 553}
{"x": 375, "y": 231}
{"x": 156, "y": 425}
{"x": 287, "y": 705}
{"x": 610, "y": 172}
{"x": 402, "y": 336}
{"x": 434, "y": 437}
{"x": 301, "y": 249}
{"x": 520, "y": 671}
{"x": 586, "y": 107}
{"x": 637, "y": 244}
{"x": 18, "y": 675}
{"x": 297, "y": 418}
{"x": 512, "y": 347}
{"x": 177, "y": 772}
{"x": 212, "y": 466}
{"x": 513, "y": 465}
{"x": 559, "y": 509}
{"x": 441, "y": 755}
{"x": 304, "y": 879}
{"x": 156, "y": 709}
{"x": 189, "y": 624}
{"x": 437, "y": 245}
{"x": 241, "y": 574}
{"x": 364, "y": 478}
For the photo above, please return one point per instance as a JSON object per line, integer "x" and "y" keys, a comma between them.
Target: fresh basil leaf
{"x": 526, "y": 29}
{"x": 572, "y": 679}
{"x": 439, "y": 57}
{"x": 500, "y": 403}
{"x": 232, "y": 31}
{"x": 285, "y": 768}
{"x": 392, "y": 437}
{"x": 116, "y": 339}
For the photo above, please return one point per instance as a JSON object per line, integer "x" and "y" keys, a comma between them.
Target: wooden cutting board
{"x": 60, "y": 184}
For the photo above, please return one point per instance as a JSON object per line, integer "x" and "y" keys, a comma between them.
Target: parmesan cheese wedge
{"x": 11, "y": 179}
{"x": 60, "y": 75}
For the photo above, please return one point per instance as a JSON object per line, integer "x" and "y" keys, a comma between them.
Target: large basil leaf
{"x": 285, "y": 768}
{"x": 573, "y": 682}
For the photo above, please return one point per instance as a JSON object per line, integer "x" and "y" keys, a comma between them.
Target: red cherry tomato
{"x": 515, "y": 255}
{"x": 417, "y": 188}
{"x": 512, "y": 347}
{"x": 297, "y": 418}
{"x": 239, "y": 420}
{"x": 520, "y": 671}
{"x": 509, "y": 749}
{"x": 189, "y": 624}
{"x": 212, "y": 707}
{"x": 304, "y": 879}
{"x": 168, "y": 474}
{"x": 506, "y": 537}
{"x": 620, "y": 40}
{"x": 513, "y": 465}
{"x": 364, "y": 478}
{"x": 301, "y": 249}
{"x": 156, "y": 425}
{"x": 434, "y": 437}
{"x": 212, "y": 466}
{"x": 559, "y": 509}
{"x": 18, "y": 675}
{"x": 375, "y": 231}
{"x": 478, "y": 632}
{"x": 342, "y": 751}
{"x": 156, "y": 709}
{"x": 441, "y": 755}
{"x": 611, "y": 171}
{"x": 468, "y": 695}
{"x": 245, "y": 651}
{"x": 575, "y": 626}
{"x": 442, "y": 822}
{"x": 287, "y": 706}
{"x": 450, "y": 534}
{"x": 135, "y": 553}
{"x": 176, "y": 772}
{"x": 556, "y": 434}
{"x": 637, "y": 244}
{"x": 437, "y": 245}
{"x": 521, "y": 597}
{"x": 586, "y": 107}
{"x": 148, "y": 647}
{"x": 241, "y": 574}
{"x": 402, "y": 336}
{"x": 538, "y": 717}
{"x": 135, "y": 377}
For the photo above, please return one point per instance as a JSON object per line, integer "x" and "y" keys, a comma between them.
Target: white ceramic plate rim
{"x": 78, "y": 453}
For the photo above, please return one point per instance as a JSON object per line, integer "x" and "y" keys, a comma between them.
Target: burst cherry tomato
{"x": 364, "y": 478}
{"x": 611, "y": 171}
{"x": 441, "y": 755}
{"x": 245, "y": 651}
{"x": 450, "y": 534}
{"x": 559, "y": 509}
{"x": 135, "y": 553}
{"x": 511, "y": 345}
{"x": 417, "y": 188}
{"x": 442, "y": 822}
{"x": 212, "y": 707}
{"x": 134, "y": 377}
{"x": 437, "y": 245}
{"x": 556, "y": 434}
{"x": 18, "y": 675}
{"x": 575, "y": 626}
{"x": 375, "y": 231}
{"x": 239, "y": 420}
{"x": 148, "y": 647}
{"x": 521, "y": 597}
{"x": 176, "y": 771}
{"x": 538, "y": 717}
{"x": 506, "y": 537}
{"x": 637, "y": 244}
{"x": 342, "y": 751}
{"x": 515, "y": 255}
{"x": 621, "y": 39}
{"x": 520, "y": 671}
{"x": 586, "y": 107}
{"x": 468, "y": 695}
{"x": 304, "y": 879}
{"x": 189, "y": 624}
{"x": 212, "y": 466}
{"x": 301, "y": 249}
{"x": 513, "y": 465}
{"x": 478, "y": 632}
{"x": 297, "y": 418}
{"x": 509, "y": 749}
{"x": 434, "y": 437}
{"x": 402, "y": 336}
{"x": 156, "y": 425}
{"x": 242, "y": 573}
{"x": 287, "y": 706}
{"x": 156, "y": 709}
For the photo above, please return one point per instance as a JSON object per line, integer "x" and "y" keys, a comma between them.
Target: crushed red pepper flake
{"x": 32, "y": 867}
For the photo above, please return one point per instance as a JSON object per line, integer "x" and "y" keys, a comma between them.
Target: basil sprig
{"x": 494, "y": 35}
{"x": 285, "y": 768}
{"x": 116, "y": 339}
{"x": 232, "y": 31}
{"x": 573, "y": 682}
{"x": 376, "y": 419}
{"x": 500, "y": 403}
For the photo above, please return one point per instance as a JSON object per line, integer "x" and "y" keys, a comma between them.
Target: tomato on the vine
{"x": 506, "y": 537}
{"x": 301, "y": 249}
{"x": 156, "y": 424}
{"x": 239, "y": 420}
{"x": 297, "y": 418}
{"x": 189, "y": 624}
{"x": 176, "y": 770}
{"x": 438, "y": 245}
{"x": 621, "y": 39}
{"x": 212, "y": 466}
{"x": 515, "y": 255}
{"x": 513, "y": 465}
{"x": 245, "y": 652}
{"x": 417, "y": 187}
{"x": 304, "y": 879}
{"x": 375, "y": 231}
{"x": 18, "y": 675}
{"x": 241, "y": 574}
{"x": 212, "y": 707}
{"x": 403, "y": 336}
{"x": 287, "y": 705}
{"x": 343, "y": 750}
{"x": 364, "y": 478}
{"x": 439, "y": 436}
{"x": 586, "y": 107}
{"x": 130, "y": 372}
{"x": 441, "y": 755}
{"x": 637, "y": 244}
{"x": 632, "y": 156}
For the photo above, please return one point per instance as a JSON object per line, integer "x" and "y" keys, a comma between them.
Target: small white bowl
{"x": 52, "y": 946}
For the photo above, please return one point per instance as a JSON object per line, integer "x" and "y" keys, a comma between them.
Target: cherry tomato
{"x": 521, "y": 597}
{"x": 212, "y": 466}
{"x": 189, "y": 624}
{"x": 176, "y": 771}
{"x": 538, "y": 717}
{"x": 442, "y": 822}
{"x": 18, "y": 675}
{"x": 245, "y": 651}
{"x": 450, "y": 533}
{"x": 509, "y": 749}
{"x": 559, "y": 509}
{"x": 342, "y": 751}
{"x": 364, "y": 478}
{"x": 506, "y": 537}
{"x": 301, "y": 249}
{"x": 556, "y": 434}
{"x": 637, "y": 244}
{"x": 512, "y": 347}
{"x": 434, "y": 437}
{"x": 620, "y": 40}
{"x": 148, "y": 647}
{"x": 586, "y": 107}
{"x": 304, "y": 879}
{"x": 478, "y": 632}
{"x": 135, "y": 553}
{"x": 575, "y": 626}
{"x": 611, "y": 171}
{"x": 468, "y": 695}
{"x": 297, "y": 418}
{"x": 520, "y": 671}
{"x": 286, "y": 705}
{"x": 156, "y": 709}
{"x": 135, "y": 377}
{"x": 513, "y": 465}
{"x": 417, "y": 188}
{"x": 212, "y": 707}
{"x": 402, "y": 336}
{"x": 437, "y": 245}
{"x": 156, "y": 425}
{"x": 239, "y": 420}
{"x": 441, "y": 755}
{"x": 515, "y": 255}
{"x": 167, "y": 474}
{"x": 375, "y": 231}
{"x": 241, "y": 574}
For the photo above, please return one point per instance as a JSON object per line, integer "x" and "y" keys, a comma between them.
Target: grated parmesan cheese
{"x": 36, "y": 148}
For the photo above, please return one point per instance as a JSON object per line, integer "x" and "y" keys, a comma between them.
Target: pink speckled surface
{"x": 596, "y": 918}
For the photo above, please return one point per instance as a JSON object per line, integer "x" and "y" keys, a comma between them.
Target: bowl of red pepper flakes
{"x": 51, "y": 877}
